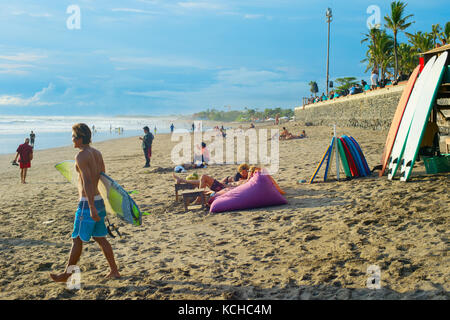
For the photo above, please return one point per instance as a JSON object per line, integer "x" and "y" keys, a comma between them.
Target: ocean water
{"x": 56, "y": 131}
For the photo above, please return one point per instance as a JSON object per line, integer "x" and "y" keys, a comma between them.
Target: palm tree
{"x": 445, "y": 35}
{"x": 397, "y": 22}
{"x": 435, "y": 31}
{"x": 379, "y": 53}
{"x": 313, "y": 87}
{"x": 407, "y": 58}
{"x": 421, "y": 41}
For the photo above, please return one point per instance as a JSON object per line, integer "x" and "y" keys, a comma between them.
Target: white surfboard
{"x": 408, "y": 114}
{"x": 420, "y": 119}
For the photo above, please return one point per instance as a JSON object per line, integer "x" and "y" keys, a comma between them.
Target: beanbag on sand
{"x": 258, "y": 192}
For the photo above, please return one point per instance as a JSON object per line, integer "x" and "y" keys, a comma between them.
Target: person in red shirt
{"x": 25, "y": 151}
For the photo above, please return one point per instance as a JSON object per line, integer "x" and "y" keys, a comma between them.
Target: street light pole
{"x": 329, "y": 16}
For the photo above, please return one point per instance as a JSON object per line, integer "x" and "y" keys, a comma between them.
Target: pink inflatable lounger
{"x": 258, "y": 192}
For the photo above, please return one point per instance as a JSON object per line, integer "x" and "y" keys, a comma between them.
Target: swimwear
{"x": 25, "y": 165}
{"x": 217, "y": 186}
{"x": 84, "y": 226}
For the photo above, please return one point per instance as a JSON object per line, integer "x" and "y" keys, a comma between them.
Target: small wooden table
{"x": 182, "y": 186}
{"x": 189, "y": 194}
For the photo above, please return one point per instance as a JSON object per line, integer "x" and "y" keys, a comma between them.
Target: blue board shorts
{"x": 84, "y": 226}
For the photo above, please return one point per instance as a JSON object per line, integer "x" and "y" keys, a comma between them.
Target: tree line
{"x": 248, "y": 114}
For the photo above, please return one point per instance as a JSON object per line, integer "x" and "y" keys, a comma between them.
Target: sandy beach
{"x": 318, "y": 246}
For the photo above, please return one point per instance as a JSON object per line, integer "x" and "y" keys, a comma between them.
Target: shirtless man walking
{"x": 90, "y": 214}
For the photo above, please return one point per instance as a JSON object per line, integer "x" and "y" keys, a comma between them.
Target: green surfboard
{"x": 343, "y": 159}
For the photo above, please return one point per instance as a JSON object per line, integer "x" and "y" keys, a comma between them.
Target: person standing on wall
{"x": 147, "y": 141}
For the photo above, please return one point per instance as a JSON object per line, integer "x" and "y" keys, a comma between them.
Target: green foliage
{"x": 246, "y": 115}
{"x": 345, "y": 83}
{"x": 445, "y": 34}
{"x": 314, "y": 88}
{"x": 379, "y": 54}
{"x": 421, "y": 41}
{"x": 396, "y": 22}
{"x": 408, "y": 58}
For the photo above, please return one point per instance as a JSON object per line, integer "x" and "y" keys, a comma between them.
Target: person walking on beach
{"x": 25, "y": 155}
{"x": 32, "y": 136}
{"x": 90, "y": 215}
{"x": 171, "y": 128}
{"x": 147, "y": 141}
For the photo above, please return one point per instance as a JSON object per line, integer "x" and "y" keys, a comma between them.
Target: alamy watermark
{"x": 374, "y": 20}
{"x": 74, "y": 20}
{"x": 229, "y": 149}
{"x": 74, "y": 281}
{"x": 374, "y": 277}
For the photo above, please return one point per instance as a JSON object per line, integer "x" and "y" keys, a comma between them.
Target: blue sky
{"x": 160, "y": 57}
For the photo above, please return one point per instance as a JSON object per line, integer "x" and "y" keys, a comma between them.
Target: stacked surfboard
{"x": 408, "y": 129}
{"x": 349, "y": 154}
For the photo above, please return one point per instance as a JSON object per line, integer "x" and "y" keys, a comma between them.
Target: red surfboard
{"x": 350, "y": 160}
{"x": 397, "y": 119}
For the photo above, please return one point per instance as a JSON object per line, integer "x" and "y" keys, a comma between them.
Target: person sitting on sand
{"x": 214, "y": 185}
{"x": 90, "y": 216}
{"x": 303, "y": 134}
{"x": 286, "y": 135}
{"x": 242, "y": 174}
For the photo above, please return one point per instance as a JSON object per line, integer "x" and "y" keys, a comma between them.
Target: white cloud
{"x": 246, "y": 77}
{"x": 7, "y": 68}
{"x": 132, "y": 10}
{"x": 200, "y": 5}
{"x": 32, "y": 14}
{"x": 35, "y": 100}
{"x": 23, "y": 57}
{"x": 253, "y": 16}
{"x": 237, "y": 87}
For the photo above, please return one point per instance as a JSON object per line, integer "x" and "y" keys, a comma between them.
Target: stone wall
{"x": 370, "y": 110}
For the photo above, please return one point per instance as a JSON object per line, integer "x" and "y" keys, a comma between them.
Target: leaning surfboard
{"x": 355, "y": 156}
{"x": 405, "y": 123}
{"x": 343, "y": 158}
{"x": 349, "y": 157}
{"x": 320, "y": 164}
{"x": 421, "y": 116}
{"x": 361, "y": 155}
{"x": 117, "y": 201}
{"x": 329, "y": 160}
{"x": 397, "y": 119}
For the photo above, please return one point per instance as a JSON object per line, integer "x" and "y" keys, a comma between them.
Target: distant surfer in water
{"x": 90, "y": 214}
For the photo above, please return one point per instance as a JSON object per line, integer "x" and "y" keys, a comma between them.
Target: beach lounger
{"x": 193, "y": 194}
{"x": 182, "y": 186}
